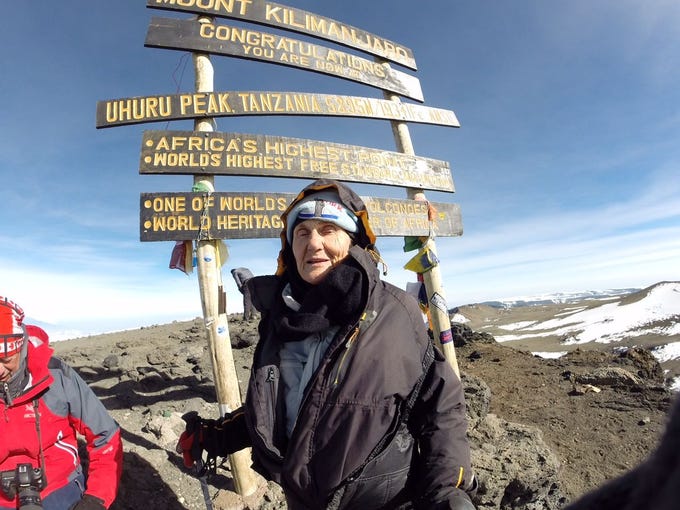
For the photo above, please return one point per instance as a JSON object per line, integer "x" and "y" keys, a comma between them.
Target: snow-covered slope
{"x": 657, "y": 312}
{"x": 552, "y": 325}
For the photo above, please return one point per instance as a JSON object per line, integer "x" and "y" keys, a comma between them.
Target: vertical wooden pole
{"x": 213, "y": 301}
{"x": 439, "y": 313}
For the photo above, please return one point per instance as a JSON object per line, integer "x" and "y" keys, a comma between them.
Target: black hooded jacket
{"x": 382, "y": 421}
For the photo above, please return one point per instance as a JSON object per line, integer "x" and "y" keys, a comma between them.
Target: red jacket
{"x": 66, "y": 406}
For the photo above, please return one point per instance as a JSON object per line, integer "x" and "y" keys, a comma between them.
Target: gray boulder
{"x": 514, "y": 467}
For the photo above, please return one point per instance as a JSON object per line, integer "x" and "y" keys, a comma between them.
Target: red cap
{"x": 11, "y": 331}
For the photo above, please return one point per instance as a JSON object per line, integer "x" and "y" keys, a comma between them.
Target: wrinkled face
{"x": 9, "y": 365}
{"x": 318, "y": 246}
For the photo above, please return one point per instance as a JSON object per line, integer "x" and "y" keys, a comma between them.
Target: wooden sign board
{"x": 296, "y": 20}
{"x": 240, "y": 42}
{"x": 136, "y": 110}
{"x": 231, "y": 215}
{"x": 214, "y": 153}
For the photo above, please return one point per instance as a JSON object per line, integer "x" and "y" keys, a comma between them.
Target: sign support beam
{"x": 213, "y": 301}
{"x": 439, "y": 315}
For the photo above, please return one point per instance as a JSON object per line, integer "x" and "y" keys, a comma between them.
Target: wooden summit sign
{"x": 196, "y": 105}
{"x": 214, "y": 153}
{"x": 242, "y": 42}
{"x": 231, "y": 215}
{"x": 296, "y": 20}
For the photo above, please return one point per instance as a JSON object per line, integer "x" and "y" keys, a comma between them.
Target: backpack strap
{"x": 427, "y": 361}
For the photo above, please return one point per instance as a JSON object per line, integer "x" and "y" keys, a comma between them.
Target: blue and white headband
{"x": 324, "y": 206}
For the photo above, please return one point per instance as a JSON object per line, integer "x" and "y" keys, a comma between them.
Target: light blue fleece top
{"x": 299, "y": 361}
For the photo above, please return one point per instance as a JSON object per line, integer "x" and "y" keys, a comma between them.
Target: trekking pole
{"x": 213, "y": 301}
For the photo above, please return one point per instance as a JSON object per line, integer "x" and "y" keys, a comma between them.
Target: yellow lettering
{"x": 184, "y": 103}
{"x": 169, "y": 204}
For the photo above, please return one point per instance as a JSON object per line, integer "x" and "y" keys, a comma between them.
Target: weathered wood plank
{"x": 234, "y": 103}
{"x": 250, "y": 44}
{"x": 232, "y": 215}
{"x": 296, "y": 20}
{"x": 215, "y": 153}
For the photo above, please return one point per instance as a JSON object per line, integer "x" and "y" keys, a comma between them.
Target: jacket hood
{"x": 38, "y": 356}
{"x": 364, "y": 238}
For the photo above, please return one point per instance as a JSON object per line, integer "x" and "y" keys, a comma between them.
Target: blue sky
{"x": 566, "y": 165}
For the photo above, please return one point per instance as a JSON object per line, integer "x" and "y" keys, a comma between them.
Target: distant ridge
{"x": 561, "y": 298}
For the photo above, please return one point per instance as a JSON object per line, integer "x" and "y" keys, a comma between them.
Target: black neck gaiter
{"x": 336, "y": 300}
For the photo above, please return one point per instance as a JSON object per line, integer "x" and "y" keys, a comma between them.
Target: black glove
{"x": 89, "y": 503}
{"x": 189, "y": 444}
{"x": 218, "y": 438}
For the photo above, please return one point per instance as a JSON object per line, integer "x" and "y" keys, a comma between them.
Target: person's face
{"x": 9, "y": 365}
{"x": 317, "y": 247}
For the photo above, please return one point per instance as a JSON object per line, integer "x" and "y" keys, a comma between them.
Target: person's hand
{"x": 89, "y": 503}
{"x": 189, "y": 444}
{"x": 217, "y": 438}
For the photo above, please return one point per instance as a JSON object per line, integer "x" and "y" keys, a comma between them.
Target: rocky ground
{"x": 542, "y": 431}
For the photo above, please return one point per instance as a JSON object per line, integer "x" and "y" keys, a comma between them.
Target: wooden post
{"x": 213, "y": 301}
{"x": 439, "y": 314}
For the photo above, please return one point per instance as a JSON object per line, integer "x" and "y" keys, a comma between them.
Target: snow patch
{"x": 459, "y": 318}
{"x": 675, "y": 384}
{"x": 667, "y": 352}
{"x": 550, "y": 355}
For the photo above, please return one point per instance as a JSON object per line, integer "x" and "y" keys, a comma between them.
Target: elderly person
{"x": 45, "y": 406}
{"x": 349, "y": 405}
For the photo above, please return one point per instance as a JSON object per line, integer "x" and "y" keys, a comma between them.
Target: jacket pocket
{"x": 382, "y": 482}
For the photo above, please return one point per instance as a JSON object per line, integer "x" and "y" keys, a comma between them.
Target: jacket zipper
{"x": 310, "y": 384}
{"x": 348, "y": 346}
{"x": 8, "y": 398}
{"x": 305, "y": 396}
{"x": 272, "y": 416}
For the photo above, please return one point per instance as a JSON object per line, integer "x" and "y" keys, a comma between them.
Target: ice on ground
{"x": 570, "y": 311}
{"x": 517, "y": 325}
{"x": 550, "y": 355}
